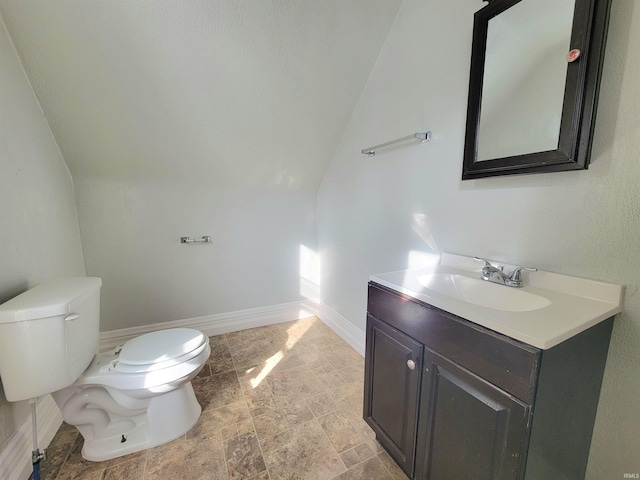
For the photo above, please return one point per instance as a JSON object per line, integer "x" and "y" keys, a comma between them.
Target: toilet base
{"x": 168, "y": 416}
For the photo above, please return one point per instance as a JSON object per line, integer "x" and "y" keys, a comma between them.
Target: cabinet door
{"x": 469, "y": 428}
{"x": 392, "y": 388}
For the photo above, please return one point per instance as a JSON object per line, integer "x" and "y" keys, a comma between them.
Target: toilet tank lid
{"x": 51, "y": 298}
{"x": 161, "y": 345}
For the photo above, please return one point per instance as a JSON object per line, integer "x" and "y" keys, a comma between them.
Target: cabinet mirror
{"x": 533, "y": 89}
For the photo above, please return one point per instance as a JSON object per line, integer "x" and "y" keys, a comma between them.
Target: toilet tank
{"x": 48, "y": 336}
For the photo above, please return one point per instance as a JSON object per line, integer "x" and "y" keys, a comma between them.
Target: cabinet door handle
{"x": 411, "y": 364}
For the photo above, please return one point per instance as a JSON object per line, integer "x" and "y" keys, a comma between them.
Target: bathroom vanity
{"x": 504, "y": 390}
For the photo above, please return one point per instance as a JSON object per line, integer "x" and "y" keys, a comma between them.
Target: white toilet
{"x": 136, "y": 396}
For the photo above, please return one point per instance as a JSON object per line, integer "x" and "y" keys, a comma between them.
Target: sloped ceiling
{"x": 227, "y": 92}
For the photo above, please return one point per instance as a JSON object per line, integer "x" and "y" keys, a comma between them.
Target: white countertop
{"x": 576, "y": 304}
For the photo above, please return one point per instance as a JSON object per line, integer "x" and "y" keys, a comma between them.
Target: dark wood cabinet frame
{"x": 590, "y": 22}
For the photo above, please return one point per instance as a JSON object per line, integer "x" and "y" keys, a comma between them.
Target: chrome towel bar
{"x": 204, "y": 239}
{"x": 422, "y": 136}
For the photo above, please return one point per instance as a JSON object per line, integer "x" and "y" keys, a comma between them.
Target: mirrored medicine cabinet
{"x": 533, "y": 89}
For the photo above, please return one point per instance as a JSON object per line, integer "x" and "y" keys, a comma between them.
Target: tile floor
{"x": 278, "y": 402}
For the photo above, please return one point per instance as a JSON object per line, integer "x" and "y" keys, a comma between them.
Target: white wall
{"x": 131, "y": 238}
{"x": 197, "y": 117}
{"x": 391, "y": 211}
{"x": 39, "y": 236}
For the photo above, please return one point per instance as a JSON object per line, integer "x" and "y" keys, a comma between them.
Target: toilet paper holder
{"x": 204, "y": 239}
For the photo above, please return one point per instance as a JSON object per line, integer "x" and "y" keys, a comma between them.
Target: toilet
{"x": 133, "y": 397}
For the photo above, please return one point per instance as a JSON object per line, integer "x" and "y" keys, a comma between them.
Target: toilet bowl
{"x": 136, "y": 396}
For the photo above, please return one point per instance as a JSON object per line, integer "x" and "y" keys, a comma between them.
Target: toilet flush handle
{"x": 71, "y": 317}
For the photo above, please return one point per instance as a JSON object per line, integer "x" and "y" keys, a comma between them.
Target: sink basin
{"x": 483, "y": 293}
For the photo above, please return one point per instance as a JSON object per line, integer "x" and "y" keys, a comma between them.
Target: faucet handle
{"x": 516, "y": 274}
{"x": 487, "y": 270}
{"x": 486, "y": 262}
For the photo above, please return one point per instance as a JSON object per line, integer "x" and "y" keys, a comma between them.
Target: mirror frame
{"x": 589, "y": 31}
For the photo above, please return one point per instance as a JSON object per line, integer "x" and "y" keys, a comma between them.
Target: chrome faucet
{"x": 497, "y": 275}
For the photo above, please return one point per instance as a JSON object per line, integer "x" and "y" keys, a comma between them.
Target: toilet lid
{"x": 160, "y": 349}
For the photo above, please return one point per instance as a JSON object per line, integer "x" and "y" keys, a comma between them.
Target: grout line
{"x": 68, "y": 453}
{"x": 384, "y": 466}
{"x": 255, "y": 431}
{"x": 146, "y": 464}
{"x": 242, "y": 389}
{"x": 224, "y": 455}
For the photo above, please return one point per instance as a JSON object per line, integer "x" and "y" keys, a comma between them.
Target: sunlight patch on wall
{"x": 309, "y": 273}
{"x": 420, "y": 225}
{"x": 418, "y": 259}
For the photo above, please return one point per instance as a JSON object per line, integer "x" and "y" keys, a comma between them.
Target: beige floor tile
{"x": 126, "y": 471}
{"x": 312, "y": 356}
{"x": 353, "y": 373}
{"x": 342, "y": 356}
{"x": 243, "y": 456}
{"x": 239, "y": 340}
{"x": 392, "y": 467}
{"x": 287, "y": 414}
{"x": 212, "y": 421}
{"x": 287, "y": 363}
{"x": 331, "y": 379}
{"x": 375, "y": 446}
{"x": 66, "y": 436}
{"x": 220, "y": 360}
{"x": 236, "y": 429}
{"x": 303, "y": 452}
{"x": 364, "y": 451}
{"x": 360, "y": 425}
{"x": 91, "y": 475}
{"x": 261, "y": 476}
{"x": 340, "y": 431}
{"x": 323, "y": 368}
{"x": 298, "y": 382}
{"x": 249, "y": 377}
{"x": 322, "y": 404}
{"x": 261, "y": 352}
{"x": 350, "y": 458}
{"x": 217, "y": 340}
{"x": 350, "y": 399}
{"x": 278, "y": 334}
{"x": 205, "y": 372}
{"x": 259, "y": 400}
{"x": 58, "y": 451}
{"x": 370, "y": 469}
{"x": 217, "y": 390}
{"x": 195, "y": 459}
{"x": 321, "y": 341}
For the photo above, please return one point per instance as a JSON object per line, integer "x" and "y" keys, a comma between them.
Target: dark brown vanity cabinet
{"x": 450, "y": 399}
{"x": 468, "y": 425}
{"x": 393, "y": 391}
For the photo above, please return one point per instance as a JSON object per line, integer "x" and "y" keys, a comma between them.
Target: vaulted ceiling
{"x": 247, "y": 92}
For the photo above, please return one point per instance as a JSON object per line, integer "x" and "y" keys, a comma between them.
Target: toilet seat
{"x": 149, "y": 362}
{"x": 160, "y": 349}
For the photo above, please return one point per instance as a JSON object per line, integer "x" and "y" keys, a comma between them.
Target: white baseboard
{"x": 219, "y": 323}
{"x": 351, "y": 334}
{"x": 15, "y": 460}
{"x": 244, "y": 319}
